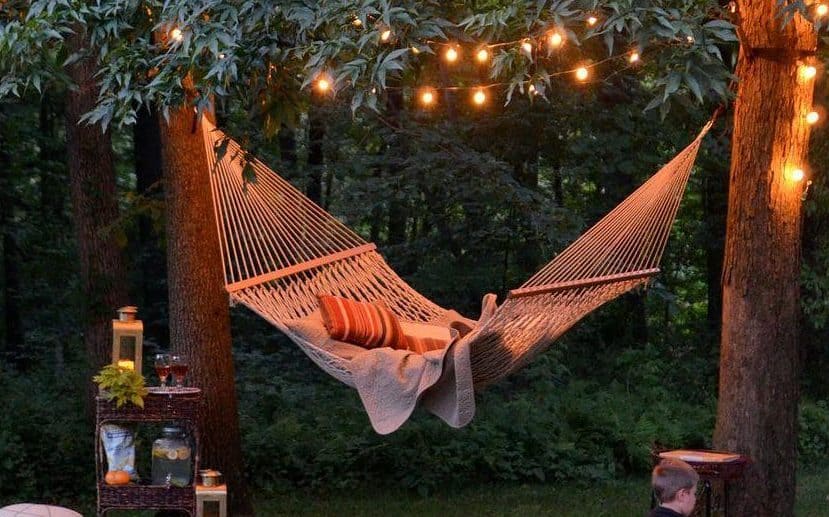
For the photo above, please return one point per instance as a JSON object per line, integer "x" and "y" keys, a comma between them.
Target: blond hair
{"x": 671, "y": 476}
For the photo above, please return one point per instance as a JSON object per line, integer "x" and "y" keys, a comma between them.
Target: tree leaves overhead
{"x": 269, "y": 53}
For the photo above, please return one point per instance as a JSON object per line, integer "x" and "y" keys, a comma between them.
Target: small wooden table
{"x": 712, "y": 466}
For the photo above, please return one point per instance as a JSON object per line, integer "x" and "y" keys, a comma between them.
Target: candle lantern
{"x": 127, "y": 339}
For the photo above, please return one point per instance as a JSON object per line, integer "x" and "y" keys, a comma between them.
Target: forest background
{"x": 462, "y": 202}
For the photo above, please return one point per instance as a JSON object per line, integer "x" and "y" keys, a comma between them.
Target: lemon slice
{"x": 171, "y": 454}
{"x": 183, "y": 453}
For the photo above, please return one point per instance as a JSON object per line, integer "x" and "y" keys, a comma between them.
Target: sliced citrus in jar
{"x": 183, "y": 453}
{"x": 171, "y": 454}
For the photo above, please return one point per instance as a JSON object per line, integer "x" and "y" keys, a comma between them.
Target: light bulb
{"x": 821, "y": 10}
{"x": 592, "y": 21}
{"x": 176, "y": 34}
{"x": 807, "y": 72}
{"x": 323, "y": 85}
{"x": 357, "y": 22}
{"x": 795, "y": 175}
{"x": 532, "y": 90}
{"x": 555, "y": 39}
{"x": 415, "y": 50}
{"x": 385, "y": 35}
{"x": 451, "y": 55}
{"x": 427, "y": 98}
{"x": 480, "y": 97}
{"x": 527, "y": 47}
{"x": 633, "y": 57}
{"x": 689, "y": 39}
{"x": 582, "y": 74}
{"x": 812, "y": 117}
{"x": 482, "y": 56}
{"x": 221, "y": 55}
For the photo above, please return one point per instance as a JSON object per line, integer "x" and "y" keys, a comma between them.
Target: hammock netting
{"x": 280, "y": 250}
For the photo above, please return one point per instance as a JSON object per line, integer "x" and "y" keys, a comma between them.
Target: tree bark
{"x": 757, "y": 407}
{"x": 199, "y": 314}
{"x": 13, "y": 345}
{"x": 94, "y": 209}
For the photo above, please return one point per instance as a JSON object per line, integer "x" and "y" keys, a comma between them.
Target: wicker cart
{"x": 172, "y": 405}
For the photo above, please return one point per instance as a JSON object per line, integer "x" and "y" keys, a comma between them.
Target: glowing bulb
{"x": 689, "y": 39}
{"x": 527, "y": 47}
{"x": 532, "y": 90}
{"x": 482, "y": 56}
{"x": 822, "y": 9}
{"x": 592, "y": 21}
{"x": 427, "y": 97}
{"x": 582, "y": 74}
{"x": 221, "y": 55}
{"x": 795, "y": 175}
{"x": 415, "y": 50}
{"x": 323, "y": 85}
{"x": 385, "y": 35}
{"x": 812, "y": 117}
{"x": 555, "y": 40}
{"x": 357, "y": 22}
{"x": 479, "y": 98}
{"x": 176, "y": 34}
{"x": 633, "y": 57}
{"x": 451, "y": 55}
{"x": 808, "y": 72}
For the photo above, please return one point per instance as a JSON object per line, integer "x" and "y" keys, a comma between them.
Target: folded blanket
{"x": 392, "y": 382}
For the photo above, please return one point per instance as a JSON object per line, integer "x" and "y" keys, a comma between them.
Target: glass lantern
{"x": 127, "y": 339}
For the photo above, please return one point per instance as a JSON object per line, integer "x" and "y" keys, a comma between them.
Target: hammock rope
{"x": 279, "y": 250}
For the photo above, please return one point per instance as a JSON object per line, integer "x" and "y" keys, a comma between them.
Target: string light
{"x": 794, "y": 174}
{"x": 323, "y": 84}
{"x": 807, "y": 72}
{"x": 532, "y": 90}
{"x": 582, "y": 73}
{"x": 451, "y": 55}
{"x": 812, "y": 117}
{"x": 591, "y": 21}
{"x": 480, "y": 97}
{"x": 427, "y": 97}
{"x": 415, "y": 50}
{"x": 526, "y": 46}
{"x": 385, "y": 36}
{"x": 357, "y": 22}
{"x": 176, "y": 34}
{"x": 555, "y": 39}
{"x": 689, "y": 39}
{"x": 821, "y": 10}
{"x": 221, "y": 55}
{"x": 482, "y": 56}
{"x": 633, "y": 57}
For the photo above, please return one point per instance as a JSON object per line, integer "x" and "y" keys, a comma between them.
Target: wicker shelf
{"x": 180, "y": 406}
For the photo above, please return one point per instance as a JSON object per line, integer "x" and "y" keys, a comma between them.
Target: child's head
{"x": 675, "y": 484}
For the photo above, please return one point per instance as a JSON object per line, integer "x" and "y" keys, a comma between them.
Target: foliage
{"x": 266, "y": 55}
{"x": 121, "y": 385}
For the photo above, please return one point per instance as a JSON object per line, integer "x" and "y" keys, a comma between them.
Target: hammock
{"x": 279, "y": 250}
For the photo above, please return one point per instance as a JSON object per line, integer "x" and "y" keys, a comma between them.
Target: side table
{"x": 179, "y": 405}
{"x": 712, "y": 466}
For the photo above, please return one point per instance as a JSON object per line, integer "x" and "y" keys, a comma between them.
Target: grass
{"x": 619, "y": 498}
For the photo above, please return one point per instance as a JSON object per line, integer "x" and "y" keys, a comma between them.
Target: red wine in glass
{"x": 162, "y": 367}
{"x": 178, "y": 366}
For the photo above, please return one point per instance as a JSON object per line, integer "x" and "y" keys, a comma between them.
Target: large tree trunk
{"x": 12, "y": 347}
{"x": 199, "y": 314}
{"x": 757, "y": 410}
{"x": 94, "y": 208}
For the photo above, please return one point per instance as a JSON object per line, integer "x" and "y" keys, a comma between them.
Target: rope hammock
{"x": 280, "y": 250}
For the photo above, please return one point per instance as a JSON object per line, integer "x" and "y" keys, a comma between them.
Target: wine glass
{"x": 178, "y": 366}
{"x": 162, "y": 367}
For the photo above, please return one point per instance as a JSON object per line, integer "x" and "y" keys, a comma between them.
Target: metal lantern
{"x": 127, "y": 339}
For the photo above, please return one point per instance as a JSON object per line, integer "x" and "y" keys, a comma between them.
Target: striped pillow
{"x": 364, "y": 324}
{"x": 423, "y": 337}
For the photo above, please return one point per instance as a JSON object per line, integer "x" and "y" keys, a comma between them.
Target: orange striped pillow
{"x": 364, "y": 324}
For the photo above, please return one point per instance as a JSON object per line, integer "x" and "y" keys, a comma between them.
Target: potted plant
{"x": 121, "y": 385}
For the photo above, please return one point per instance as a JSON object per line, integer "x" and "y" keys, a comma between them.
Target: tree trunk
{"x": 13, "y": 346}
{"x": 199, "y": 314}
{"x": 94, "y": 208}
{"x": 148, "y": 249}
{"x": 757, "y": 409}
